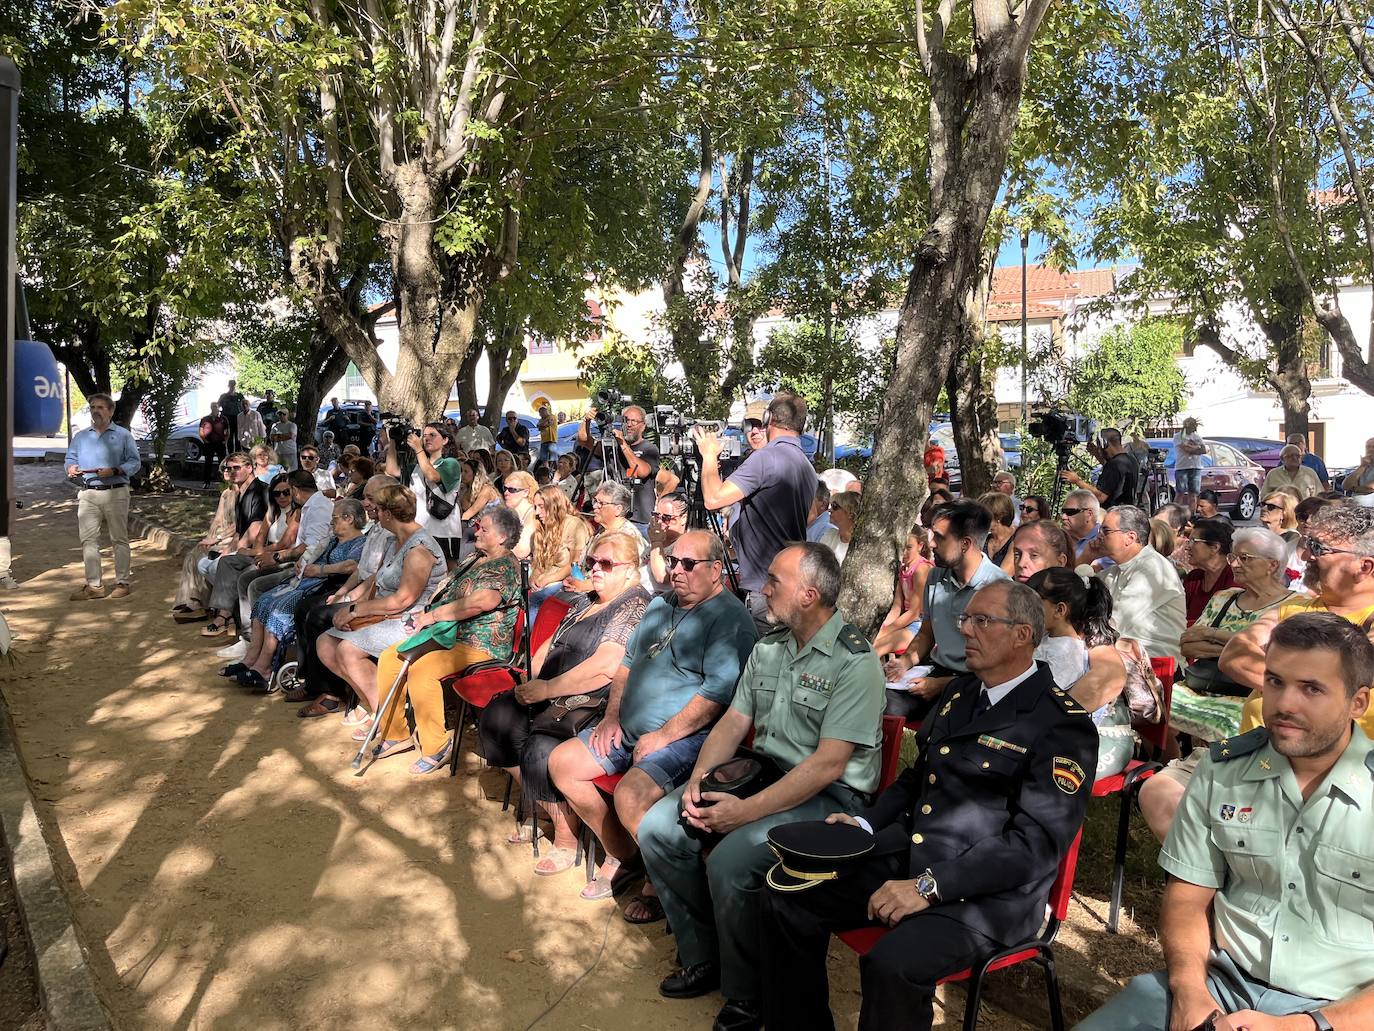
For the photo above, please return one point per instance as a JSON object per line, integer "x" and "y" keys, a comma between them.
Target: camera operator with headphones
{"x": 1117, "y": 483}
{"x": 773, "y": 487}
{"x": 636, "y": 459}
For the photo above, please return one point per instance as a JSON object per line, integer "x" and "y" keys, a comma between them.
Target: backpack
{"x": 1144, "y": 692}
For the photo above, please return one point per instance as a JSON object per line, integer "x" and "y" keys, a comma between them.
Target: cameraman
{"x": 1117, "y": 484}
{"x": 636, "y": 460}
{"x": 773, "y": 487}
{"x": 435, "y": 477}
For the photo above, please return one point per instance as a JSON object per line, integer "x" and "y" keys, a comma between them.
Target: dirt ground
{"x": 226, "y": 869}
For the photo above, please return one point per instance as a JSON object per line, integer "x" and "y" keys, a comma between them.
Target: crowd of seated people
{"x": 1017, "y": 648}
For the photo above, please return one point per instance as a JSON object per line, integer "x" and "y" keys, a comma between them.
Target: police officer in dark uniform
{"x": 967, "y": 841}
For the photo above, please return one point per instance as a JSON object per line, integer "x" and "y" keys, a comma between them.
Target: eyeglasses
{"x": 1105, "y": 530}
{"x": 981, "y": 621}
{"x": 1269, "y": 506}
{"x": 234, "y": 468}
{"x": 606, "y": 564}
{"x": 665, "y": 517}
{"x": 1236, "y": 556}
{"x": 1071, "y": 511}
{"x": 599, "y": 503}
{"x": 1318, "y": 548}
{"x": 513, "y": 490}
{"x": 688, "y": 564}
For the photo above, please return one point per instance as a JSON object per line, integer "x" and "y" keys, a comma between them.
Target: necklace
{"x": 657, "y": 647}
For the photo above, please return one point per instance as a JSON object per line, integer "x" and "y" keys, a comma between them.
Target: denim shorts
{"x": 669, "y": 767}
{"x": 1188, "y": 481}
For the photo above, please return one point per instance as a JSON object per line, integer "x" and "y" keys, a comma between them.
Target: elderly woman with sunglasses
{"x": 1279, "y": 513}
{"x": 470, "y": 619}
{"x": 520, "y": 729}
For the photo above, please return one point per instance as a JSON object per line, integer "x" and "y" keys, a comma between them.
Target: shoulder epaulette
{"x": 1235, "y": 747}
{"x": 853, "y": 640}
{"x": 1069, "y": 702}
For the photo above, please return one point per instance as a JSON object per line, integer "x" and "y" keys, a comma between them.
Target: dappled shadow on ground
{"x": 227, "y": 869}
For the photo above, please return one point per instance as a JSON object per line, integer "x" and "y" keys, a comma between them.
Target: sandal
{"x": 251, "y": 678}
{"x": 558, "y": 860}
{"x": 321, "y": 706}
{"x": 297, "y": 695}
{"x": 356, "y": 716}
{"x": 214, "y": 628}
{"x": 232, "y": 670}
{"x": 430, "y": 763}
{"x": 651, "y": 906}
{"x": 360, "y": 732}
{"x": 601, "y": 886}
{"x": 385, "y": 749}
{"x": 522, "y": 835}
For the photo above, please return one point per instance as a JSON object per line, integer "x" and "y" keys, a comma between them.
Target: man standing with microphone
{"x": 103, "y": 458}
{"x": 773, "y": 487}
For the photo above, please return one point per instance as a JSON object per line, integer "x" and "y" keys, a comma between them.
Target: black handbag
{"x": 435, "y": 505}
{"x": 1205, "y": 676}
{"x": 571, "y": 715}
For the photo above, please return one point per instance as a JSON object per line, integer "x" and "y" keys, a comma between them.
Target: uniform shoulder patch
{"x": 1235, "y": 747}
{"x": 853, "y": 640}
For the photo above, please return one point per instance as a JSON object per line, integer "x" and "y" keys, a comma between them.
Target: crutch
{"x": 382, "y": 711}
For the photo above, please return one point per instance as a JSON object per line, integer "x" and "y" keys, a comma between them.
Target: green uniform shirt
{"x": 1295, "y": 880}
{"x": 828, "y": 689}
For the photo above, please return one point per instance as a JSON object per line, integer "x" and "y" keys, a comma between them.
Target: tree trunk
{"x": 972, "y": 398}
{"x": 325, "y": 363}
{"x": 467, "y": 379}
{"x": 506, "y": 355}
{"x": 972, "y": 113}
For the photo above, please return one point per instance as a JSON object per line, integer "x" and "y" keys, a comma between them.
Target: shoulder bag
{"x": 435, "y": 505}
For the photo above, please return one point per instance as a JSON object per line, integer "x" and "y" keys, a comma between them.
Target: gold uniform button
{"x": 986, "y": 765}
{"x": 932, "y": 778}
{"x": 925, "y": 810}
{"x": 944, "y": 749}
{"x": 916, "y": 839}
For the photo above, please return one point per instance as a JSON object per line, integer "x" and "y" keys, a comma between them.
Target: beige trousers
{"x": 110, "y": 509}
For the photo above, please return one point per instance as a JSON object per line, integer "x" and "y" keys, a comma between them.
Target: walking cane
{"x": 382, "y": 711}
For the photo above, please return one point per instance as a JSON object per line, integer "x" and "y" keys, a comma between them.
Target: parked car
{"x": 1264, "y": 453}
{"x": 1236, "y": 478}
{"x": 183, "y": 443}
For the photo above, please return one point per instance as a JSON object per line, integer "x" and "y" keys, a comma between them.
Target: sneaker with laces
{"x": 87, "y": 593}
{"x": 234, "y": 651}
{"x": 120, "y": 591}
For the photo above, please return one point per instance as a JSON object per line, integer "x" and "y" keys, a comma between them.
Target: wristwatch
{"x": 1319, "y": 1018}
{"x": 926, "y": 886}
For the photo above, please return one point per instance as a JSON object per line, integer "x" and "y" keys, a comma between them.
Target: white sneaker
{"x": 235, "y": 651}
{"x": 9, "y": 583}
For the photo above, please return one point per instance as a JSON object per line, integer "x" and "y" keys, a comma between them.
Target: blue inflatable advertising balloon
{"x": 37, "y": 390}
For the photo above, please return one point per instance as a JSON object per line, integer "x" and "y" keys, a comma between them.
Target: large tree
{"x": 426, "y": 127}
{"x": 974, "y": 56}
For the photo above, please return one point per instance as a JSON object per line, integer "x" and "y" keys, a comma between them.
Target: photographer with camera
{"x": 1117, "y": 482}
{"x": 435, "y": 477}
{"x": 773, "y": 487}
{"x": 636, "y": 459}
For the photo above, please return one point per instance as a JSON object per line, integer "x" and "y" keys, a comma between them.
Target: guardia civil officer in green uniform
{"x": 967, "y": 841}
{"x": 812, "y": 692}
{"x": 1275, "y": 839}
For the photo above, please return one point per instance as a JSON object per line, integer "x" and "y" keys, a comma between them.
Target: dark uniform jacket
{"x": 991, "y": 804}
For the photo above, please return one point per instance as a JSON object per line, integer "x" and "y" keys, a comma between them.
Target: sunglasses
{"x": 513, "y": 490}
{"x": 688, "y": 564}
{"x": 665, "y": 517}
{"x": 234, "y": 468}
{"x": 1071, "y": 511}
{"x": 1318, "y": 548}
{"x": 279, "y": 493}
{"x": 605, "y": 564}
{"x": 1033, "y": 508}
{"x": 1269, "y": 506}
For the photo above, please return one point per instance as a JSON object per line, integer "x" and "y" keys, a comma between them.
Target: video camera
{"x": 607, "y": 402}
{"x": 1063, "y": 430}
{"x": 398, "y": 427}
{"x": 675, "y": 438}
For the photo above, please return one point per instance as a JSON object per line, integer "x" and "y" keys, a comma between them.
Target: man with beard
{"x": 1339, "y": 551}
{"x": 957, "y": 533}
{"x": 1266, "y": 920}
{"x": 636, "y": 460}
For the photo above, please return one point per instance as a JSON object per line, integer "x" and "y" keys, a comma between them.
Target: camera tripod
{"x": 699, "y": 517}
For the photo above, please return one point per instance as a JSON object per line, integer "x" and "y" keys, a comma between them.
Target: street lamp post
{"x": 1025, "y": 345}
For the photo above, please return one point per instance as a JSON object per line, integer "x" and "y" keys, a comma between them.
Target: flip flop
{"x": 321, "y": 706}
{"x": 651, "y": 905}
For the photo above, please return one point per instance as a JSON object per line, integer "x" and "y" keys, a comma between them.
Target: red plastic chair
{"x": 1129, "y": 781}
{"x": 477, "y": 685}
{"x": 1037, "y": 950}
